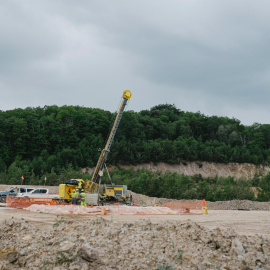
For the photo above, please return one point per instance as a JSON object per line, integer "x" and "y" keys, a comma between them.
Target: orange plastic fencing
{"x": 23, "y": 202}
{"x": 184, "y": 206}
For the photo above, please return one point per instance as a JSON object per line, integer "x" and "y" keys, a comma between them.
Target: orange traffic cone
{"x": 204, "y": 207}
{"x": 103, "y": 211}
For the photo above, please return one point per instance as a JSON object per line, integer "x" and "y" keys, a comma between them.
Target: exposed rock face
{"x": 208, "y": 169}
{"x": 124, "y": 245}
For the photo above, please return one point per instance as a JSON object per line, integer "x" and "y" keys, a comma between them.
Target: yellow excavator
{"x": 97, "y": 193}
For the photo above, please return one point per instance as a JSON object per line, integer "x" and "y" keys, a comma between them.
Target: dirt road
{"x": 243, "y": 222}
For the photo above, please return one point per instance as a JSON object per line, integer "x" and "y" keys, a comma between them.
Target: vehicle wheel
{"x": 3, "y": 199}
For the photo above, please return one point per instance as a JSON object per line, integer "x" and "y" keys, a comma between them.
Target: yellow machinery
{"x": 67, "y": 187}
{"x": 107, "y": 193}
{"x": 96, "y": 193}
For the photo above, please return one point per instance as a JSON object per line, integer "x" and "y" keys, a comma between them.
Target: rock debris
{"x": 106, "y": 244}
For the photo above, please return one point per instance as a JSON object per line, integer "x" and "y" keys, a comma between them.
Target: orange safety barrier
{"x": 23, "y": 202}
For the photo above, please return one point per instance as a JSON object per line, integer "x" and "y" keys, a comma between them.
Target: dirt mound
{"x": 144, "y": 200}
{"x": 106, "y": 244}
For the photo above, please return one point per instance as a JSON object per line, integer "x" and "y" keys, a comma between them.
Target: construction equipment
{"x": 97, "y": 193}
{"x": 67, "y": 187}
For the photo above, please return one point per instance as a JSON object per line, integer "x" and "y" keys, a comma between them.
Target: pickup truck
{"x": 13, "y": 191}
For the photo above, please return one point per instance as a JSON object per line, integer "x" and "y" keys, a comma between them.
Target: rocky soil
{"x": 106, "y": 244}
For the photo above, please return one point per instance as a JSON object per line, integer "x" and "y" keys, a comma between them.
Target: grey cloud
{"x": 208, "y": 56}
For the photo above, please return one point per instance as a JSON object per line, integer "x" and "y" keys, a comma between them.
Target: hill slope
{"x": 206, "y": 169}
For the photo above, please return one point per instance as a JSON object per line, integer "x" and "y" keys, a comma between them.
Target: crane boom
{"x": 96, "y": 178}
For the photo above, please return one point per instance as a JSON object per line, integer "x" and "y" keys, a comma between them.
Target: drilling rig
{"x": 96, "y": 192}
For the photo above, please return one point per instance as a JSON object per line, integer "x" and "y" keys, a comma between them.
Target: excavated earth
{"x": 225, "y": 239}
{"x": 99, "y": 243}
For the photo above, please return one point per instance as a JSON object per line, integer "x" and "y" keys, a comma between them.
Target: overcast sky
{"x": 211, "y": 56}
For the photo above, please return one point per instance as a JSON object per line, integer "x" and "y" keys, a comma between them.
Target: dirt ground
{"x": 223, "y": 239}
{"x": 242, "y": 222}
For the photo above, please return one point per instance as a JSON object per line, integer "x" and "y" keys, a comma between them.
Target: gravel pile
{"x": 107, "y": 244}
{"x": 143, "y": 200}
{"x": 239, "y": 204}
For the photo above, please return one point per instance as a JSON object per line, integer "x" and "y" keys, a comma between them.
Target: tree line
{"x": 39, "y": 141}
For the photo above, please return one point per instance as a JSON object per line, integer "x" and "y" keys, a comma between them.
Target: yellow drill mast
{"x": 98, "y": 173}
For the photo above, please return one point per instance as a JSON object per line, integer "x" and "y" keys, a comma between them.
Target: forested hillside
{"x": 39, "y": 141}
